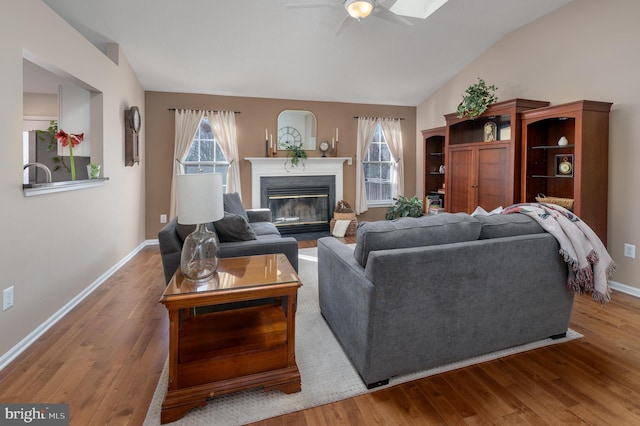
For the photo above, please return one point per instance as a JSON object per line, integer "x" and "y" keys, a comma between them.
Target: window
{"x": 378, "y": 168}
{"x": 205, "y": 155}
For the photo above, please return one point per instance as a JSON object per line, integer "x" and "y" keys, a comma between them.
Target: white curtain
{"x": 223, "y": 125}
{"x": 393, "y": 136}
{"x": 186, "y": 126}
{"x": 366, "y": 130}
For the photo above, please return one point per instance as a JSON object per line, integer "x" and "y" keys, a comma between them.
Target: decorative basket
{"x": 344, "y": 216}
{"x": 567, "y": 203}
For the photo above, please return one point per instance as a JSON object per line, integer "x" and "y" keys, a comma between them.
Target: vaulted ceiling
{"x": 263, "y": 48}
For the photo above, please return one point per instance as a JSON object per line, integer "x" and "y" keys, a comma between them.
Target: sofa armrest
{"x": 170, "y": 249}
{"x": 346, "y": 297}
{"x": 259, "y": 215}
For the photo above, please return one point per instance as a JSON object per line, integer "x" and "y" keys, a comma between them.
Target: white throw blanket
{"x": 589, "y": 263}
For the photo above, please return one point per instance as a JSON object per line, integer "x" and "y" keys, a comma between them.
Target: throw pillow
{"x": 507, "y": 225}
{"x": 234, "y": 227}
{"x": 340, "y": 228}
{"x": 233, "y": 204}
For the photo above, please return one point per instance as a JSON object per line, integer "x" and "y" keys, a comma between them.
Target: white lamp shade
{"x": 199, "y": 198}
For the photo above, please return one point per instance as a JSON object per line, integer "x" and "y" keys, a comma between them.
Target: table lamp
{"x": 199, "y": 202}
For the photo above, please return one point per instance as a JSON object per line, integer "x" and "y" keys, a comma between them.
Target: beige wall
{"x": 256, "y": 114}
{"x": 585, "y": 50}
{"x": 55, "y": 246}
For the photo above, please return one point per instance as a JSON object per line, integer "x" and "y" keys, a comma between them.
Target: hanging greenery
{"x": 295, "y": 155}
{"x": 476, "y": 99}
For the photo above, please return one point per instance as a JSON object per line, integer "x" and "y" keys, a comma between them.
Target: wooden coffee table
{"x": 235, "y": 349}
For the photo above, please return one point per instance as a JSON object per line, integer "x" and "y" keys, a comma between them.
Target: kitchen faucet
{"x": 47, "y": 171}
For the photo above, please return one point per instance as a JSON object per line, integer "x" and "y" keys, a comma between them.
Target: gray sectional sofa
{"x": 241, "y": 233}
{"x": 420, "y": 292}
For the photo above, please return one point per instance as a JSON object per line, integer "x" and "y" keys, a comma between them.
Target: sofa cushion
{"x": 258, "y": 215}
{"x": 233, "y": 227}
{"x": 265, "y": 228}
{"x": 406, "y": 232}
{"x": 233, "y": 204}
{"x": 507, "y": 225}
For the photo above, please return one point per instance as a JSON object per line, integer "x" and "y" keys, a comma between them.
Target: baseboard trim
{"x": 623, "y": 288}
{"x": 21, "y": 346}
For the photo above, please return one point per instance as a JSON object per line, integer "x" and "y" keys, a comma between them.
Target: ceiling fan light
{"x": 359, "y": 9}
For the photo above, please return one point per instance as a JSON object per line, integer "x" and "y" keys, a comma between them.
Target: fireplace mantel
{"x": 275, "y": 166}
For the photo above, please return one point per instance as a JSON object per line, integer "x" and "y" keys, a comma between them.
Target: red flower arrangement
{"x": 70, "y": 140}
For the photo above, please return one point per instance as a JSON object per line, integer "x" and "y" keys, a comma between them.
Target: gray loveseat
{"x": 421, "y": 292}
{"x": 241, "y": 233}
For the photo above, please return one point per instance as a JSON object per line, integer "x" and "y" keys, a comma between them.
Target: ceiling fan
{"x": 358, "y": 10}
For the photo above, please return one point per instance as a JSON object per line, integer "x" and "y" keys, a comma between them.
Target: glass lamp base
{"x": 200, "y": 254}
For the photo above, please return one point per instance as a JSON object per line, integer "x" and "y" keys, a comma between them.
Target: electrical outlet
{"x": 163, "y": 218}
{"x": 7, "y": 298}
{"x": 630, "y": 250}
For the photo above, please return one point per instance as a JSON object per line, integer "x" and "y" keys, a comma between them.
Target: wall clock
{"x": 134, "y": 119}
{"x": 288, "y": 136}
{"x": 132, "y": 123}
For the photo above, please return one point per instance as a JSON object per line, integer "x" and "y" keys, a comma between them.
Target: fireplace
{"x": 300, "y": 204}
{"x": 313, "y": 178}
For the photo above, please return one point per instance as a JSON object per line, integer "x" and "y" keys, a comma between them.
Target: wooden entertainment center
{"x": 585, "y": 127}
{"x": 521, "y": 149}
{"x": 483, "y": 168}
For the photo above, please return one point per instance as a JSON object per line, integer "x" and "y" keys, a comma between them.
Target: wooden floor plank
{"x": 445, "y": 408}
{"x": 532, "y": 391}
{"x": 105, "y": 358}
{"x": 478, "y": 395}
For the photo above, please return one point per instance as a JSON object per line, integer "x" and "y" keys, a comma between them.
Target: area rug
{"x": 327, "y": 374}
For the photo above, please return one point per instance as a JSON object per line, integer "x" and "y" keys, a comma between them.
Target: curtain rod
{"x": 209, "y": 110}
{"x": 393, "y": 118}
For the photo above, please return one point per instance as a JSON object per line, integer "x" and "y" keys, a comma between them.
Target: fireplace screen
{"x": 290, "y": 210}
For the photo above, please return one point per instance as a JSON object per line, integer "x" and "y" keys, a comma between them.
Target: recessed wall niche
{"x": 50, "y": 93}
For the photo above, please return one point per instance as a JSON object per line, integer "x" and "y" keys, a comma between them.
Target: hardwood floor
{"x": 105, "y": 357}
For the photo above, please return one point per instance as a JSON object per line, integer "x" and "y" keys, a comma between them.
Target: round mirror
{"x": 297, "y": 128}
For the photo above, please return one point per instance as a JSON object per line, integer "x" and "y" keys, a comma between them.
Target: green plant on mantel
{"x": 476, "y": 100}
{"x": 404, "y": 207}
{"x": 295, "y": 155}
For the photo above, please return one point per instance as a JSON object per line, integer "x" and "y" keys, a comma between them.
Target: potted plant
{"x": 476, "y": 99}
{"x": 295, "y": 155}
{"x": 52, "y": 143}
{"x": 93, "y": 170}
{"x": 404, "y": 207}
{"x": 70, "y": 140}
